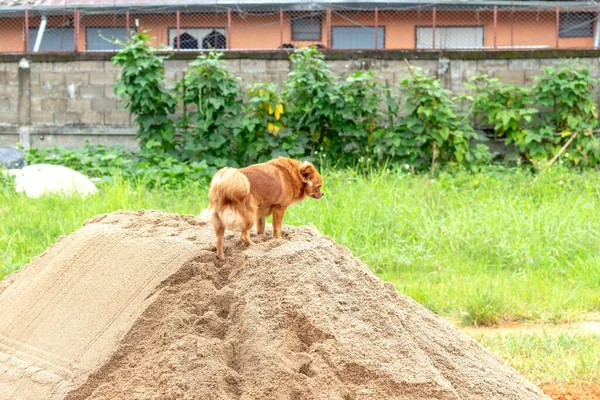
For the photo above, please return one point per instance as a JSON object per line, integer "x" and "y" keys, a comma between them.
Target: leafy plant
{"x": 313, "y": 99}
{"x": 141, "y": 87}
{"x": 150, "y": 168}
{"x": 214, "y": 96}
{"x": 361, "y": 116}
{"x": 432, "y": 129}
{"x": 503, "y": 105}
{"x": 566, "y": 93}
{"x": 266, "y": 136}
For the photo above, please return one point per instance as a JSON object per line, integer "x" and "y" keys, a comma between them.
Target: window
{"x": 576, "y": 24}
{"x": 53, "y": 39}
{"x": 306, "y": 28}
{"x": 450, "y": 37}
{"x": 102, "y": 39}
{"x": 198, "y": 38}
{"x": 357, "y": 37}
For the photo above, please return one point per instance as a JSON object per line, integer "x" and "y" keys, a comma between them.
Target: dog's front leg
{"x": 220, "y": 232}
{"x": 278, "y": 213}
{"x": 260, "y": 225}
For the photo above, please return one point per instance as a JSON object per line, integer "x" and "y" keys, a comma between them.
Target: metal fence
{"x": 476, "y": 26}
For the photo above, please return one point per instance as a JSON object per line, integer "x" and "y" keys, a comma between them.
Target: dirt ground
{"x": 582, "y": 391}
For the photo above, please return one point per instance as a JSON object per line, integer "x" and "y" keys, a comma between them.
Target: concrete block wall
{"x": 46, "y": 102}
{"x": 9, "y": 93}
{"x": 73, "y": 93}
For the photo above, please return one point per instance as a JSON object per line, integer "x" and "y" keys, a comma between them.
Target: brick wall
{"x": 51, "y": 100}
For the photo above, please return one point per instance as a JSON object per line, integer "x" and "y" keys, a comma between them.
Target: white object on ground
{"x": 37, "y": 180}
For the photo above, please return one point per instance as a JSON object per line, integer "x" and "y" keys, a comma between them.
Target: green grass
{"x": 486, "y": 248}
{"x": 556, "y": 356}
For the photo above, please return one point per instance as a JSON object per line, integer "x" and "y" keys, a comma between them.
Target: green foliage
{"x": 313, "y": 100}
{"x": 566, "y": 93}
{"x": 505, "y": 106}
{"x": 148, "y": 168}
{"x": 141, "y": 88}
{"x": 212, "y": 101}
{"x": 564, "y": 107}
{"x": 433, "y": 129}
{"x": 266, "y": 136}
{"x": 361, "y": 116}
{"x": 344, "y": 122}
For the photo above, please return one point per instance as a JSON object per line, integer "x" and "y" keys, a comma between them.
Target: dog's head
{"x": 311, "y": 179}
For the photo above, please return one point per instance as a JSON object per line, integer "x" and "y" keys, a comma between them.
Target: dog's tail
{"x": 229, "y": 191}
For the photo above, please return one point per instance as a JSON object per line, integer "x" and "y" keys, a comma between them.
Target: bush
{"x": 214, "y": 96}
{"x": 566, "y": 93}
{"x": 341, "y": 122}
{"x": 504, "y": 106}
{"x": 266, "y": 136}
{"x": 564, "y": 109}
{"x": 433, "y": 129}
{"x": 141, "y": 88}
{"x": 313, "y": 99}
{"x": 148, "y": 168}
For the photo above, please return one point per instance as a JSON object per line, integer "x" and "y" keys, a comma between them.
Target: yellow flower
{"x": 278, "y": 111}
{"x": 273, "y": 129}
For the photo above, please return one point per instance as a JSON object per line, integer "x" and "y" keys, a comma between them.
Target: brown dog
{"x": 241, "y": 198}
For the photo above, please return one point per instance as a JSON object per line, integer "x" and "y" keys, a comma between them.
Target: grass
{"x": 553, "y": 355}
{"x": 487, "y": 248}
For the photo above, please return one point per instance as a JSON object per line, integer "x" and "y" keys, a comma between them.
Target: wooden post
{"x": 433, "y": 28}
{"x": 228, "y": 38}
{"x": 495, "y": 27}
{"x": 26, "y": 31}
{"x": 76, "y": 33}
{"x": 281, "y": 28}
{"x": 557, "y": 25}
{"x": 376, "y": 28}
{"x": 328, "y": 28}
{"x": 178, "y": 22}
{"x": 127, "y": 25}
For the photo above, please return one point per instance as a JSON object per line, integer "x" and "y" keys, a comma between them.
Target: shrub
{"x": 150, "y": 168}
{"x": 313, "y": 100}
{"x": 505, "y": 106}
{"x": 432, "y": 129}
{"x": 566, "y": 93}
{"x": 361, "y": 117}
{"x": 214, "y": 96}
{"x": 265, "y": 135}
{"x": 141, "y": 88}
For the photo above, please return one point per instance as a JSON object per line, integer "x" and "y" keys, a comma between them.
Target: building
{"x": 93, "y": 25}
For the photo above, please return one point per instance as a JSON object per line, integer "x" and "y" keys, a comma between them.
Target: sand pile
{"x": 136, "y": 306}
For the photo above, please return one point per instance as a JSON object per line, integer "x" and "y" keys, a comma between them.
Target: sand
{"x": 136, "y": 306}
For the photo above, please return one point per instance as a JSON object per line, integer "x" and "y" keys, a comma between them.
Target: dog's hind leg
{"x": 247, "y": 217}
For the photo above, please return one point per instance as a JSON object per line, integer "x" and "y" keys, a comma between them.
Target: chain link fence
{"x": 345, "y": 26}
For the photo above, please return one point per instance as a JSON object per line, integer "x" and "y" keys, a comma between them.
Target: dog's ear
{"x": 306, "y": 170}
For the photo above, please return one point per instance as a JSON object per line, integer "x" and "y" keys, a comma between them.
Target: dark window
{"x": 214, "y": 40}
{"x": 186, "y": 42}
{"x": 576, "y": 24}
{"x": 99, "y": 39}
{"x": 357, "y": 37}
{"x": 306, "y": 28}
{"x": 53, "y": 39}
